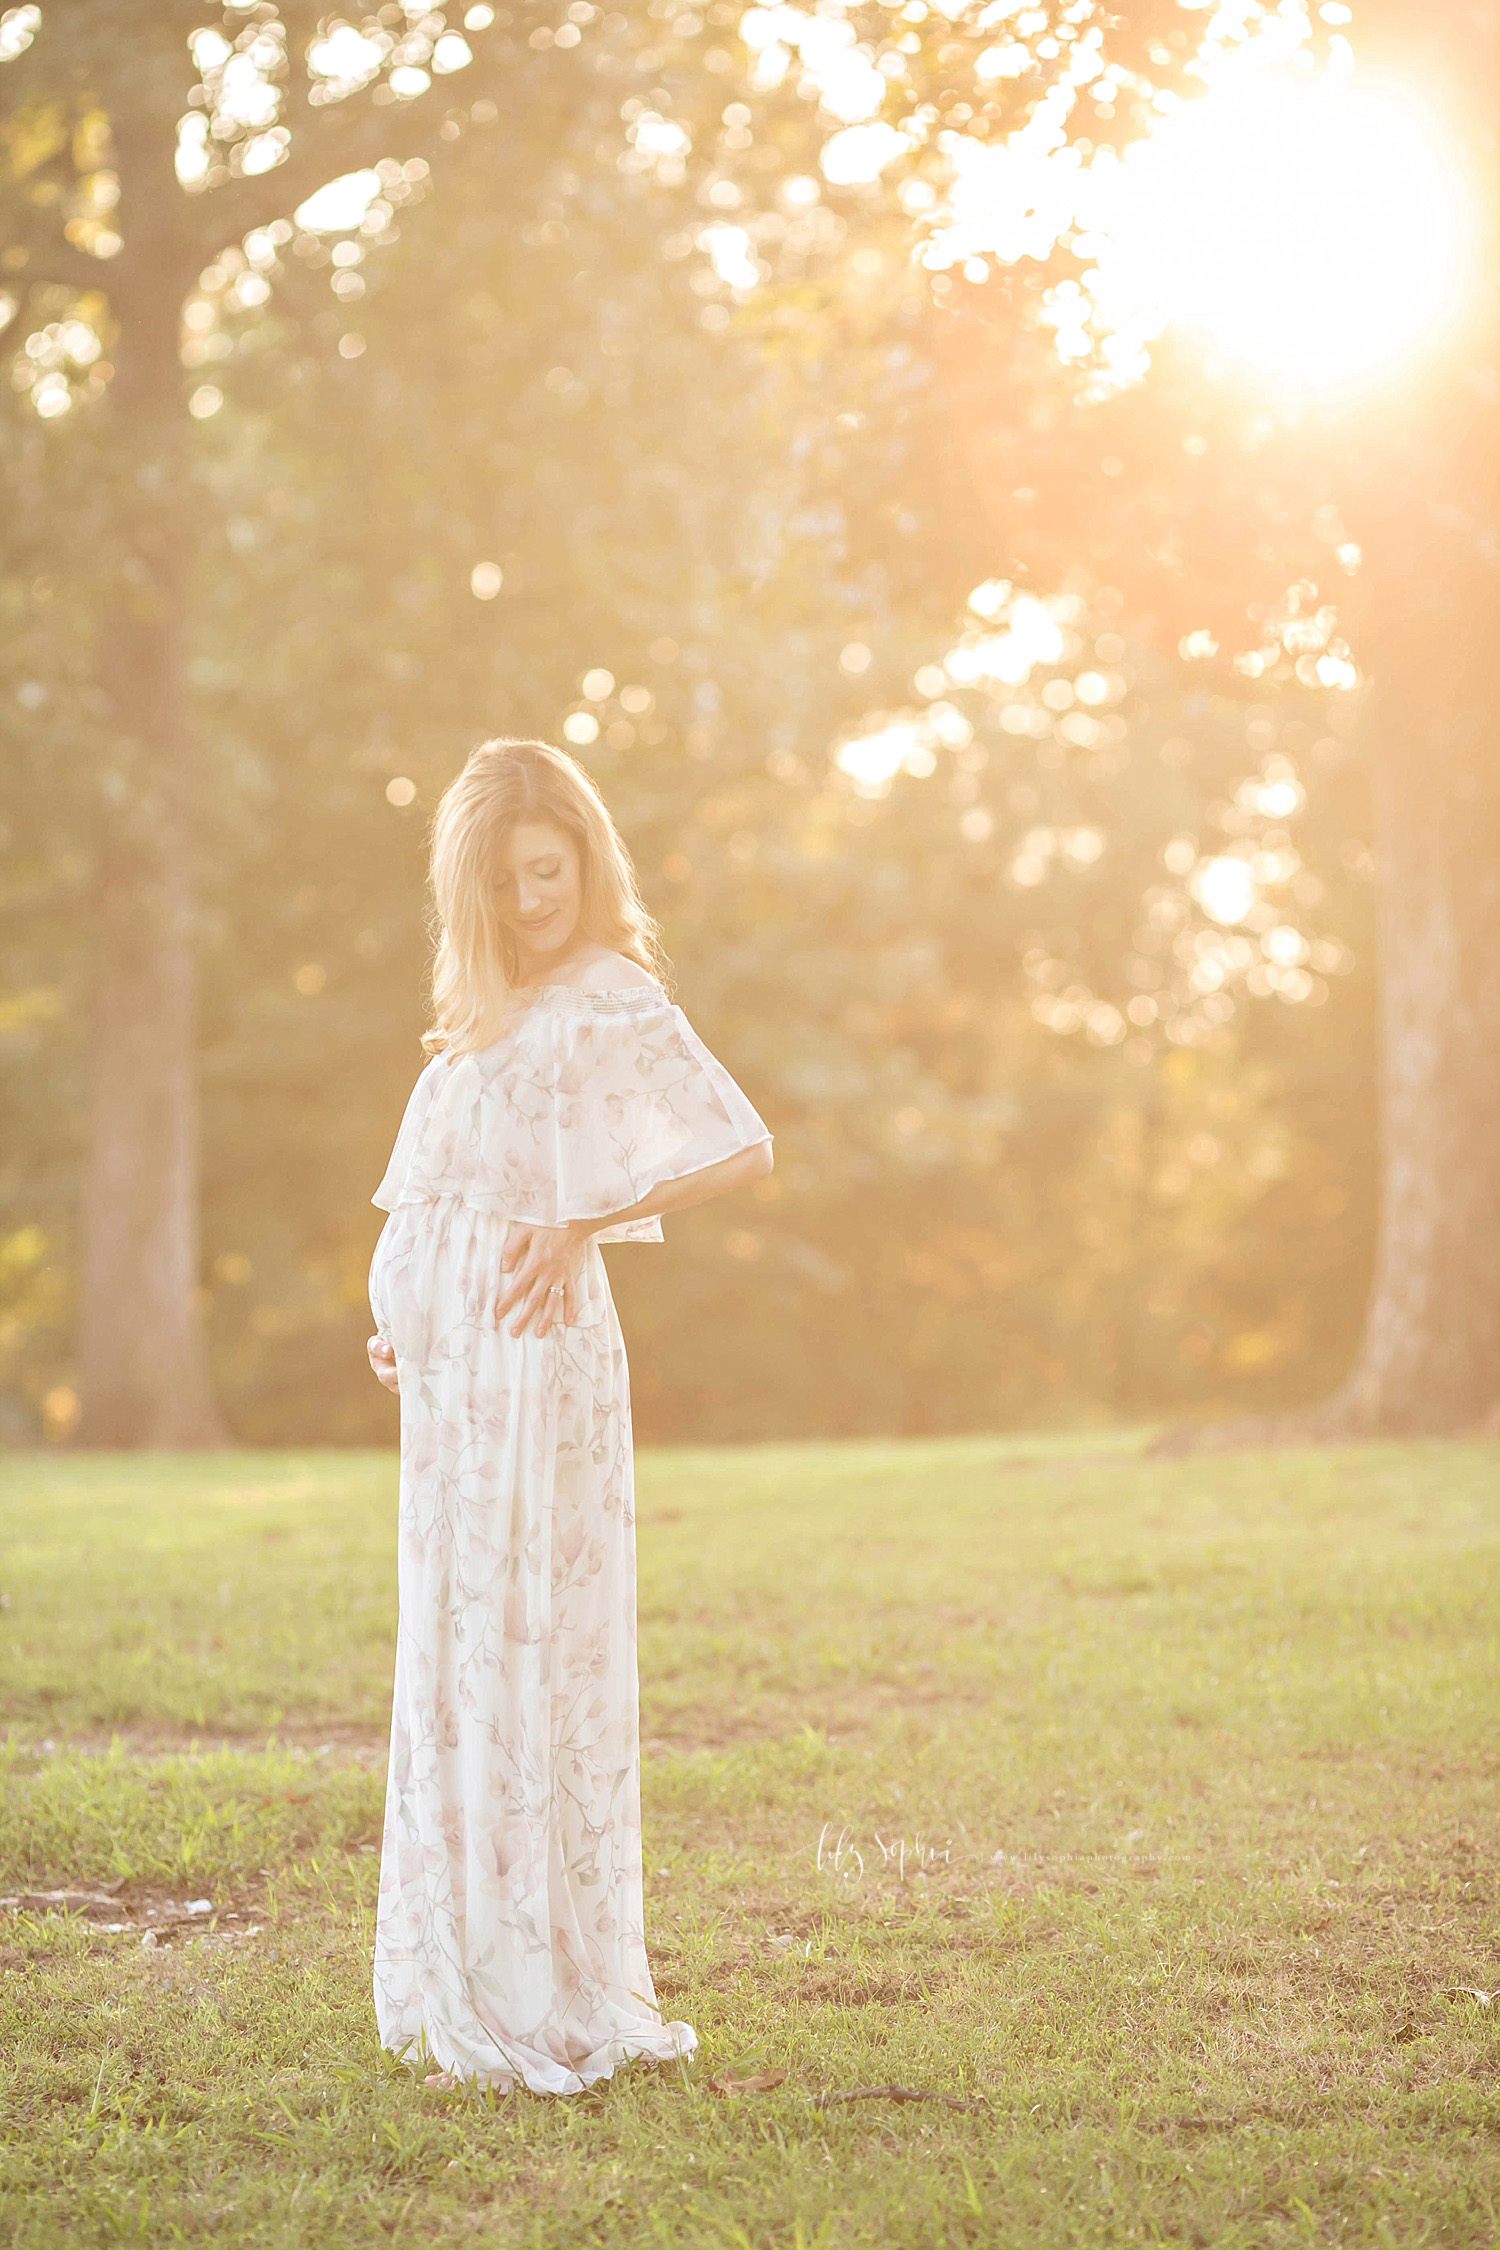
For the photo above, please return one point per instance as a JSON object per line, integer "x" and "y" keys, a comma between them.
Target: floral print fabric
{"x": 589, "y": 1101}
{"x": 510, "y": 1944}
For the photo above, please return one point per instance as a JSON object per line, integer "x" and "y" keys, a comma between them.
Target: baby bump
{"x": 437, "y": 1276}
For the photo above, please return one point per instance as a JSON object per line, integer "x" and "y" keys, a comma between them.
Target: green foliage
{"x": 1149, "y": 1806}
{"x": 974, "y": 1221}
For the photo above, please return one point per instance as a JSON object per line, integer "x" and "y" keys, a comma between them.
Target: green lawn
{"x": 1148, "y": 1811}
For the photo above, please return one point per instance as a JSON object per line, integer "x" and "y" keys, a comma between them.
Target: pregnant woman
{"x": 567, "y": 1103}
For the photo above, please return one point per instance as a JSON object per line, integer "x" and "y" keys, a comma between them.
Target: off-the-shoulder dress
{"x": 510, "y": 1945}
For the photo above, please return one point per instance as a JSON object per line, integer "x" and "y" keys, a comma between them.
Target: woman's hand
{"x": 544, "y": 1264}
{"x": 383, "y": 1361}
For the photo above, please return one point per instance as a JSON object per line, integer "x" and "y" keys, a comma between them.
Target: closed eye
{"x": 542, "y": 874}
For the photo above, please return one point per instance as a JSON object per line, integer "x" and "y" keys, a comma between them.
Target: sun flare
{"x": 1317, "y": 233}
{"x": 1310, "y": 226}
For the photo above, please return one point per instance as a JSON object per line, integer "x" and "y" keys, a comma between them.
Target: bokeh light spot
{"x": 338, "y": 207}
{"x": 1225, "y": 888}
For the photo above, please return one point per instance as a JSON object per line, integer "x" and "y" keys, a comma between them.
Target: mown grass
{"x": 1149, "y": 1808}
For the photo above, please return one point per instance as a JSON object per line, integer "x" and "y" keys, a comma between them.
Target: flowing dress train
{"x": 510, "y": 1942}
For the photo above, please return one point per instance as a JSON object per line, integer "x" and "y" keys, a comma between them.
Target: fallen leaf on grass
{"x": 759, "y": 2082}
{"x": 894, "y": 2094}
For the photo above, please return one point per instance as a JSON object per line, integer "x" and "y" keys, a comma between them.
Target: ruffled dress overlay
{"x": 510, "y": 1943}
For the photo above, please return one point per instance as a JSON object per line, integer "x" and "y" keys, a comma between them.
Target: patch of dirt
{"x": 128, "y": 1910}
{"x": 847, "y": 1987}
{"x": 94, "y": 1906}
{"x": 849, "y": 1717}
{"x": 688, "y": 1732}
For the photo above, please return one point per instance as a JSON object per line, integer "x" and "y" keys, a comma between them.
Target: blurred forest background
{"x": 623, "y": 395}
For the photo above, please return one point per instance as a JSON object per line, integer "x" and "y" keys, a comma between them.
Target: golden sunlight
{"x": 1308, "y": 225}
{"x": 1318, "y": 233}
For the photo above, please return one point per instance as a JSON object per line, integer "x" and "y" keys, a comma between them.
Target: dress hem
{"x": 674, "y": 2042}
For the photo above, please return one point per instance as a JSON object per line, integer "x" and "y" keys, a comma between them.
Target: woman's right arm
{"x": 740, "y": 1170}
{"x": 543, "y": 1262}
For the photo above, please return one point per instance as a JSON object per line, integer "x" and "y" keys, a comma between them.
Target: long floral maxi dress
{"x": 509, "y": 1940}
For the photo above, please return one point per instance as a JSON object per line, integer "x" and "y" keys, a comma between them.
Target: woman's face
{"x": 541, "y": 888}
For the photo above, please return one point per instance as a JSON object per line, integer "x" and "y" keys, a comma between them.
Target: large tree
{"x": 1407, "y": 476}
{"x": 1184, "y": 545}
{"x": 140, "y": 141}
{"x": 1262, "y": 530}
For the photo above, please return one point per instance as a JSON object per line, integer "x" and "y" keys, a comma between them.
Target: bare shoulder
{"x": 612, "y": 972}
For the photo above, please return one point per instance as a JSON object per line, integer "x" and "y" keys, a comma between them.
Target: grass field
{"x": 1143, "y": 1814}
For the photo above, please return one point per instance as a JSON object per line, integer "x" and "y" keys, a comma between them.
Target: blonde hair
{"x": 476, "y": 970}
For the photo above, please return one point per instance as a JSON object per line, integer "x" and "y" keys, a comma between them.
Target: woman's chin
{"x": 548, "y": 944}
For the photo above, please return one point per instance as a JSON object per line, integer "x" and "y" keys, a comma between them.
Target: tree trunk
{"x": 1424, "y": 479}
{"x": 1430, "y": 1356}
{"x": 142, "y": 1372}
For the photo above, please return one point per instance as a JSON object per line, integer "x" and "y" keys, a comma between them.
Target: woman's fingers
{"x": 533, "y": 1305}
{"x": 547, "y": 1302}
{"x": 519, "y": 1299}
{"x": 541, "y": 1290}
{"x": 522, "y": 1288}
{"x": 521, "y": 1279}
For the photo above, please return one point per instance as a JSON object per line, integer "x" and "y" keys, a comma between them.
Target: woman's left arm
{"x": 544, "y": 1262}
